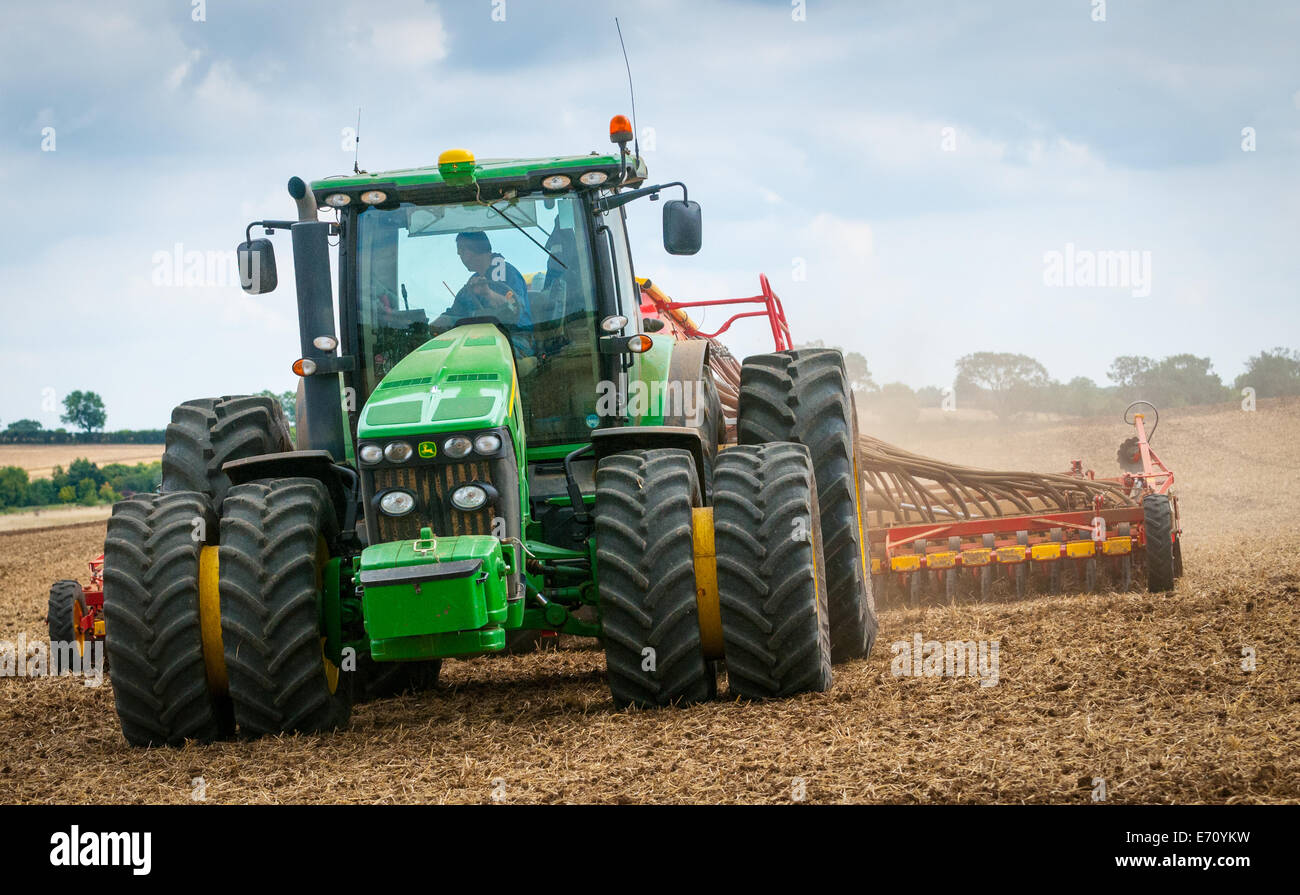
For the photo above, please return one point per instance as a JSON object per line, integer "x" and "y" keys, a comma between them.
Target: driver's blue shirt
{"x": 512, "y": 280}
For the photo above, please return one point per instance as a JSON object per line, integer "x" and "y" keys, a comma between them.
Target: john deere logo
{"x": 428, "y": 449}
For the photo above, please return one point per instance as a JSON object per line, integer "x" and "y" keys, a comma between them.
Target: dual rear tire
{"x": 804, "y": 397}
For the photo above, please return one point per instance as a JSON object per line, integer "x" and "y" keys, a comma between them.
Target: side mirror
{"x": 682, "y": 234}
{"x": 257, "y": 266}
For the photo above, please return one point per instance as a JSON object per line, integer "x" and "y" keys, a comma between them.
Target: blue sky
{"x": 899, "y": 170}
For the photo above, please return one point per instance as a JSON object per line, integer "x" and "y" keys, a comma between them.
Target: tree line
{"x": 83, "y": 483}
{"x": 1008, "y": 384}
{"x": 86, "y": 411}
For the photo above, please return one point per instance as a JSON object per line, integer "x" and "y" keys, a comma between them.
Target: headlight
{"x": 374, "y": 197}
{"x": 338, "y": 200}
{"x": 457, "y": 446}
{"x": 468, "y": 497}
{"x": 487, "y": 444}
{"x": 397, "y": 451}
{"x": 370, "y": 453}
{"x": 594, "y": 178}
{"x": 556, "y": 182}
{"x": 397, "y": 503}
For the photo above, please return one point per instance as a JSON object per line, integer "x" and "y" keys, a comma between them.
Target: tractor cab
{"x": 524, "y": 265}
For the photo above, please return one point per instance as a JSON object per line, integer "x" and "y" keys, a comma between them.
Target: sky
{"x": 919, "y": 180}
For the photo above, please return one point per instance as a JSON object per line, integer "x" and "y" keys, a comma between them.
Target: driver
{"x": 495, "y": 287}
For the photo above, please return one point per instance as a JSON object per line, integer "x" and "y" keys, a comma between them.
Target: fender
{"x": 687, "y": 366}
{"x": 617, "y": 439}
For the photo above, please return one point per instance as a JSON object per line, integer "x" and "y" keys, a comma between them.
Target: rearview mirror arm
{"x": 272, "y": 226}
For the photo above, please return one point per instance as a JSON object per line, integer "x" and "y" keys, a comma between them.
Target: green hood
{"x": 461, "y": 380}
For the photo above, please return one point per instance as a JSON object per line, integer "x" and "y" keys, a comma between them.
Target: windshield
{"x": 524, "y": 263}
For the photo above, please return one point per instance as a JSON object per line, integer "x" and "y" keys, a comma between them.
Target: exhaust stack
{"x": 303, "y": 198}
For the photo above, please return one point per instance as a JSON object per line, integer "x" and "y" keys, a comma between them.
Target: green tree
{"x": 1006, "y": 382}
{"x": 86, "y": 491}
{"x": 1174, "y": 381}
{"x": 41, "y": 492}
{"x": 67, "y": 494}
{"x": 23, "y": 426}
{"x": 84, "y": 410}
{"x": 107, "y": 494}
{"x": 1269, "y": 373}
{"x": 82, "y": 468}
{"x": 1081, "y": 397}
{"x": 1127, "y": 371}
{"x": 13, "y": 486}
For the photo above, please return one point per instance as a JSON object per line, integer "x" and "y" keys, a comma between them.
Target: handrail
{"x": 772, "y": 309}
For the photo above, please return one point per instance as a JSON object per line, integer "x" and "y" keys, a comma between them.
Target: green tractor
{"x": 478, "y": 466}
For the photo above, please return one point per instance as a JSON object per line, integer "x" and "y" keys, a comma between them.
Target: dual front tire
{"x": 770, "y": 619}
{"x": 216, "y": 617}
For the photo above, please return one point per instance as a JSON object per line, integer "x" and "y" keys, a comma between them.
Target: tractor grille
{"x": 432, "y": 485}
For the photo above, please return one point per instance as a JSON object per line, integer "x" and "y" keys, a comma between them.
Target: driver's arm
{"x": 480, "y": 297}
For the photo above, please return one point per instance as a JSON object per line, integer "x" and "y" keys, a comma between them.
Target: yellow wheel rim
{"x": 323, "y": 557}
{"x": 214, "y": 656}
{"x": 706, "y": 582}
{"x": 78, "y": 635}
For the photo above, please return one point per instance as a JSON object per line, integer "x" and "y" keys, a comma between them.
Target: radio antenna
{"x": 356, "y": 145}
{"x": 636, "y": 143}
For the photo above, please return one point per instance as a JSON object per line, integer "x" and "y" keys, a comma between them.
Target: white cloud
{"x": 818, "y": 140}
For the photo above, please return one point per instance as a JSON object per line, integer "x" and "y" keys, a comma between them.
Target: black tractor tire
{"x": 58, "y": 618}
{"x": 273, "y": 539}
{"x": 208, "y": 432}
{"x": 1158, "y": 523}
{"x": 803, "y": 396}
{"x": 151, "y": 605}
{"x": 771, "y": 573}
{"x": 381, "y": 680}
{"x": 646, "y": 558}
